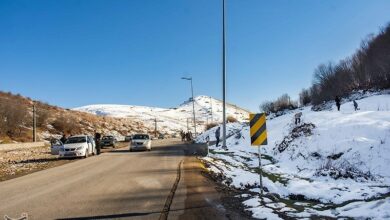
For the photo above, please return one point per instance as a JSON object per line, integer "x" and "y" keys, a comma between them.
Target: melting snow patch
{"x": 259, "y": 211}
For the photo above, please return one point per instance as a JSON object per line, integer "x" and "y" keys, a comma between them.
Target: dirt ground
{"x": 16, "y": 163}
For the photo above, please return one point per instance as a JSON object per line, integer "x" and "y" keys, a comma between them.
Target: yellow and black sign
{"x": 258, "y": 129}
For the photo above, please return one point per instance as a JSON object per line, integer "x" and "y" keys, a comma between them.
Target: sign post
{"x": 258, "y": 133}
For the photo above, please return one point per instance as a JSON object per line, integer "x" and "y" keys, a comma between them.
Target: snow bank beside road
{"x": 342, "y": 159}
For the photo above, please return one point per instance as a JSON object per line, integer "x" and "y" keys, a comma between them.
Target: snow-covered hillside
{"x": 171, "y": 120}
{"x": 334, "y": 164}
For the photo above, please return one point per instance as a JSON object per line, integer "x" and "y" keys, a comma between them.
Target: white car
{"x": 55, "y": 146}
{"x": 141, "y": 142}
{"x": 78, "y": 146}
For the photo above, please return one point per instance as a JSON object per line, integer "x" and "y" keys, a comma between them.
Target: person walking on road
{"x": 183, "y": 135}
{"x": 355, "y": 105}
{"x": 338, "y": 102}
{"x": 217, "y": 134}
{"x": 189, "y": 136}
{"x": 97, "y": 141}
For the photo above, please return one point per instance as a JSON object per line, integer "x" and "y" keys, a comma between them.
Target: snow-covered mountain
{"x": 333, "y": 165}
{"x": 171, "y": 120}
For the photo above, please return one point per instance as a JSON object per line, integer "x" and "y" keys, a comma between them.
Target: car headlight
{"x": 62, "y": 149}
{"x": 79, "y": 148}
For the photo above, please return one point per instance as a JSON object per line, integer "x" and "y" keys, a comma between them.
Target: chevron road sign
{"x": 258, "y": 129}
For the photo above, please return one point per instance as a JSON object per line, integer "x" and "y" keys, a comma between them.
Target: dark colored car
{"x": 108, "y": 141}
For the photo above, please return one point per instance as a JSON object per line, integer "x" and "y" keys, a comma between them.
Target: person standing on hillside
{"x": 217, "y": 134}
{"x": 298, "y": 118}
{"x": 338, "y": 102}
{"x": 355, "y": 105}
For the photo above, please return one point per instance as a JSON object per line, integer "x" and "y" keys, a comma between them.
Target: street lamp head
{"x": 186, "y": 78}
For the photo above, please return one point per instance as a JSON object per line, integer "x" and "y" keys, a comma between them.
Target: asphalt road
{"x": 165, "y": 183}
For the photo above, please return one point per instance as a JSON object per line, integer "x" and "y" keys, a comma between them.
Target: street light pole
{"x": 193, "y": 106}
{"x": 223, "y": 76}
{"x": 193, "y": 101}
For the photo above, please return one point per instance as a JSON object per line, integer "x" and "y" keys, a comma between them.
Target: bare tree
{"x": 13, "y": 116}
{"x": 305, "y": 97}
{"x": 368, "y": 68}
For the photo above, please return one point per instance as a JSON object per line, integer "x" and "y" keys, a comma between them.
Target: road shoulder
{"x": 199, "y": 197}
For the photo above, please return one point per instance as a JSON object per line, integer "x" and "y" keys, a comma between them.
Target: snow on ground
{"x": 172, "y": 120}
{"x": 334, "y": 164}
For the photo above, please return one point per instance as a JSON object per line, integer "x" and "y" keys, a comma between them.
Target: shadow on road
{"x": 182, "y": 149}
{"x": 126, "y": 215}
{"x": 114, "y": 216}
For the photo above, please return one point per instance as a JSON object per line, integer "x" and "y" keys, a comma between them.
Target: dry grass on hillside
{"x": 16, "y": 121}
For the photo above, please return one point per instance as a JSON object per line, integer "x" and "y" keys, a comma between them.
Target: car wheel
{"x": 131, "y": 150}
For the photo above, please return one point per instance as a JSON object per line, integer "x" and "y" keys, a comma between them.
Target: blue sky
{"x": 72, "y": 53}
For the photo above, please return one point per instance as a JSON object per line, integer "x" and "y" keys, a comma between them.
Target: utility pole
{"x": 223, "y": 75}
{"x": 34, "y": 124}
{"x": 155, "y": 126}
{"x": 188, "y": 129}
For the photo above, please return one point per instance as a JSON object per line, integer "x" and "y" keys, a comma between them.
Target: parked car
{"x": 161, "y": 136}
{"x": 55, "y": 146}
{"x": 78, "y": 146}
{"x": 128, "y": 138}
{"x": 108, "y": 140}
{"x": 141, "y": 142}
{"x": 92, "y": 140}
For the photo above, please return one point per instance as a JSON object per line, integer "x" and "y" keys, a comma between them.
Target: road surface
{"x": 165, "y": 183}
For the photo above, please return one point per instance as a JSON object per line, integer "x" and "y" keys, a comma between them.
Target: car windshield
{"x": 74, "y": 140}
{"x": 141, "y": 137}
